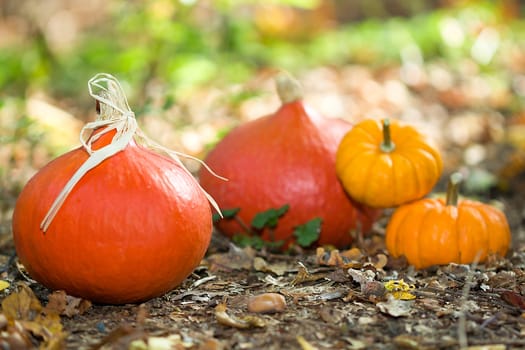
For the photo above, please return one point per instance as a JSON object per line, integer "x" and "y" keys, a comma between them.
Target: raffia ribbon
{"x": 115, "y": 114}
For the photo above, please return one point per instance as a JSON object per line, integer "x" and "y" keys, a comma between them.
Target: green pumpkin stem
{"x": 452, "y": 189}
{"x": 387, "y": 145}
{"x": 288, "y": 88}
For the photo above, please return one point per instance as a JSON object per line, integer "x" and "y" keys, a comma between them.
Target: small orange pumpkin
{"x": 436, "y": 231}
{"x": 385, "y": 164}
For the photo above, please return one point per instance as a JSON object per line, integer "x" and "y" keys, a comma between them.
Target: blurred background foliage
{"x": 57, "y": 45}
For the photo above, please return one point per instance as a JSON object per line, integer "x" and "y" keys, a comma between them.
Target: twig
{"x": 490, "y": 320}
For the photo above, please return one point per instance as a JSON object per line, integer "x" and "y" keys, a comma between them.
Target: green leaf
{"x": 308, "y": 233}
{"x": 226, "y": 214}
{"x": 248, "y": 241}
{"x": 255, "y": 242}
{"x": 269, "y": 218}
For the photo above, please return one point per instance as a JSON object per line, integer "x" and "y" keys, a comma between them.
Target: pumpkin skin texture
{"x": 434, "y": 231}
{"x": 133, "y": 228}
{"x": 384, "y": 175}
{"x": 287, "y": 157}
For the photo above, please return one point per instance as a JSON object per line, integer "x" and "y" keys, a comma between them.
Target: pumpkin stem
{"x": 452, "y": 189}
{"x": 387, "y": 145}
{"x": 288, "y": 88}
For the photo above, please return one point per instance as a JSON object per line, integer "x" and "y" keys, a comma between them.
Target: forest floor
{"x": 328, "y": 305}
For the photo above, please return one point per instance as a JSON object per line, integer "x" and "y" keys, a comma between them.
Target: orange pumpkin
{"x": 436, "y": 231}
{"x": 132, "y": 228}
{"x": 286, "y": 158}
{"x": 385, "y": 164}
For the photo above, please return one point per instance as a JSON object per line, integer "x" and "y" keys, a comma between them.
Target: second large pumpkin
{"x": 286, "y": 158}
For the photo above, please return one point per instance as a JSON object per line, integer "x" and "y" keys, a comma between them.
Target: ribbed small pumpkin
{"x": 132, "y": 228}
{"x": 386, "y": 163}
{"x": 435, "y": 231}
{"x": 286, "y": 158}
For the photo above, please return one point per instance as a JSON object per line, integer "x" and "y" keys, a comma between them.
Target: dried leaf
{"x": 395, "y": 307}
{"x": 235, "y": 259}
{"x": 305, "y": 345}
{"x": 46, "y": 327}
{"x": 513, "y": 299}
{"x": 355, "y": 344}
{"x": 259, "y": 264}
{"x": 405, "y": 341}
{"x": 346, "y": 259}
{"x": 66, "y": 305}
{"x": 21, "y": 305}
{"x": 380, "y": 261}
{"x": 211, "y": 344}
{"x": 237, "y": 322}
{"x": 304, "y": 276}
{"x": 362, "y": 276}
{"x": 22, "y": 308}
{"x": 352, "y": 254}
{"x": 373, "y": 290}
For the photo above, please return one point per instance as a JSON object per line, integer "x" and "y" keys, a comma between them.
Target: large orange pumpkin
{"x": 132, "y": 228}
{"x": 286, "y": 158}
{"x": 387, "y": 163}
{"x": 436, "y": 231}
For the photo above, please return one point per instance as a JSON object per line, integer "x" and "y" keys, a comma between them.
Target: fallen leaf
{"x": 379, "y": 261}
{"x": 237, "y": 322}
{"x": 395, "y": 307}
{"x": 346, "y": 259}
{"x": 259, "y": 264}
{"x": 305, "y": 345}
{"x": 338, "y": 275}
{"x": 21, "y": 305}
{"x": 355, "y": 344}
{"x": 373, "y": 290}
{"x": 23, "y": 309}
{"x": 304, "y": 276}
{"x": 362, "y": 276}
{"x": 513, "y": 299}
{"x": 66, "y": 305}
{"x": 211, "y": 344}
{"x": 405, "y": 341}
{"x": 235, "y": 259}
